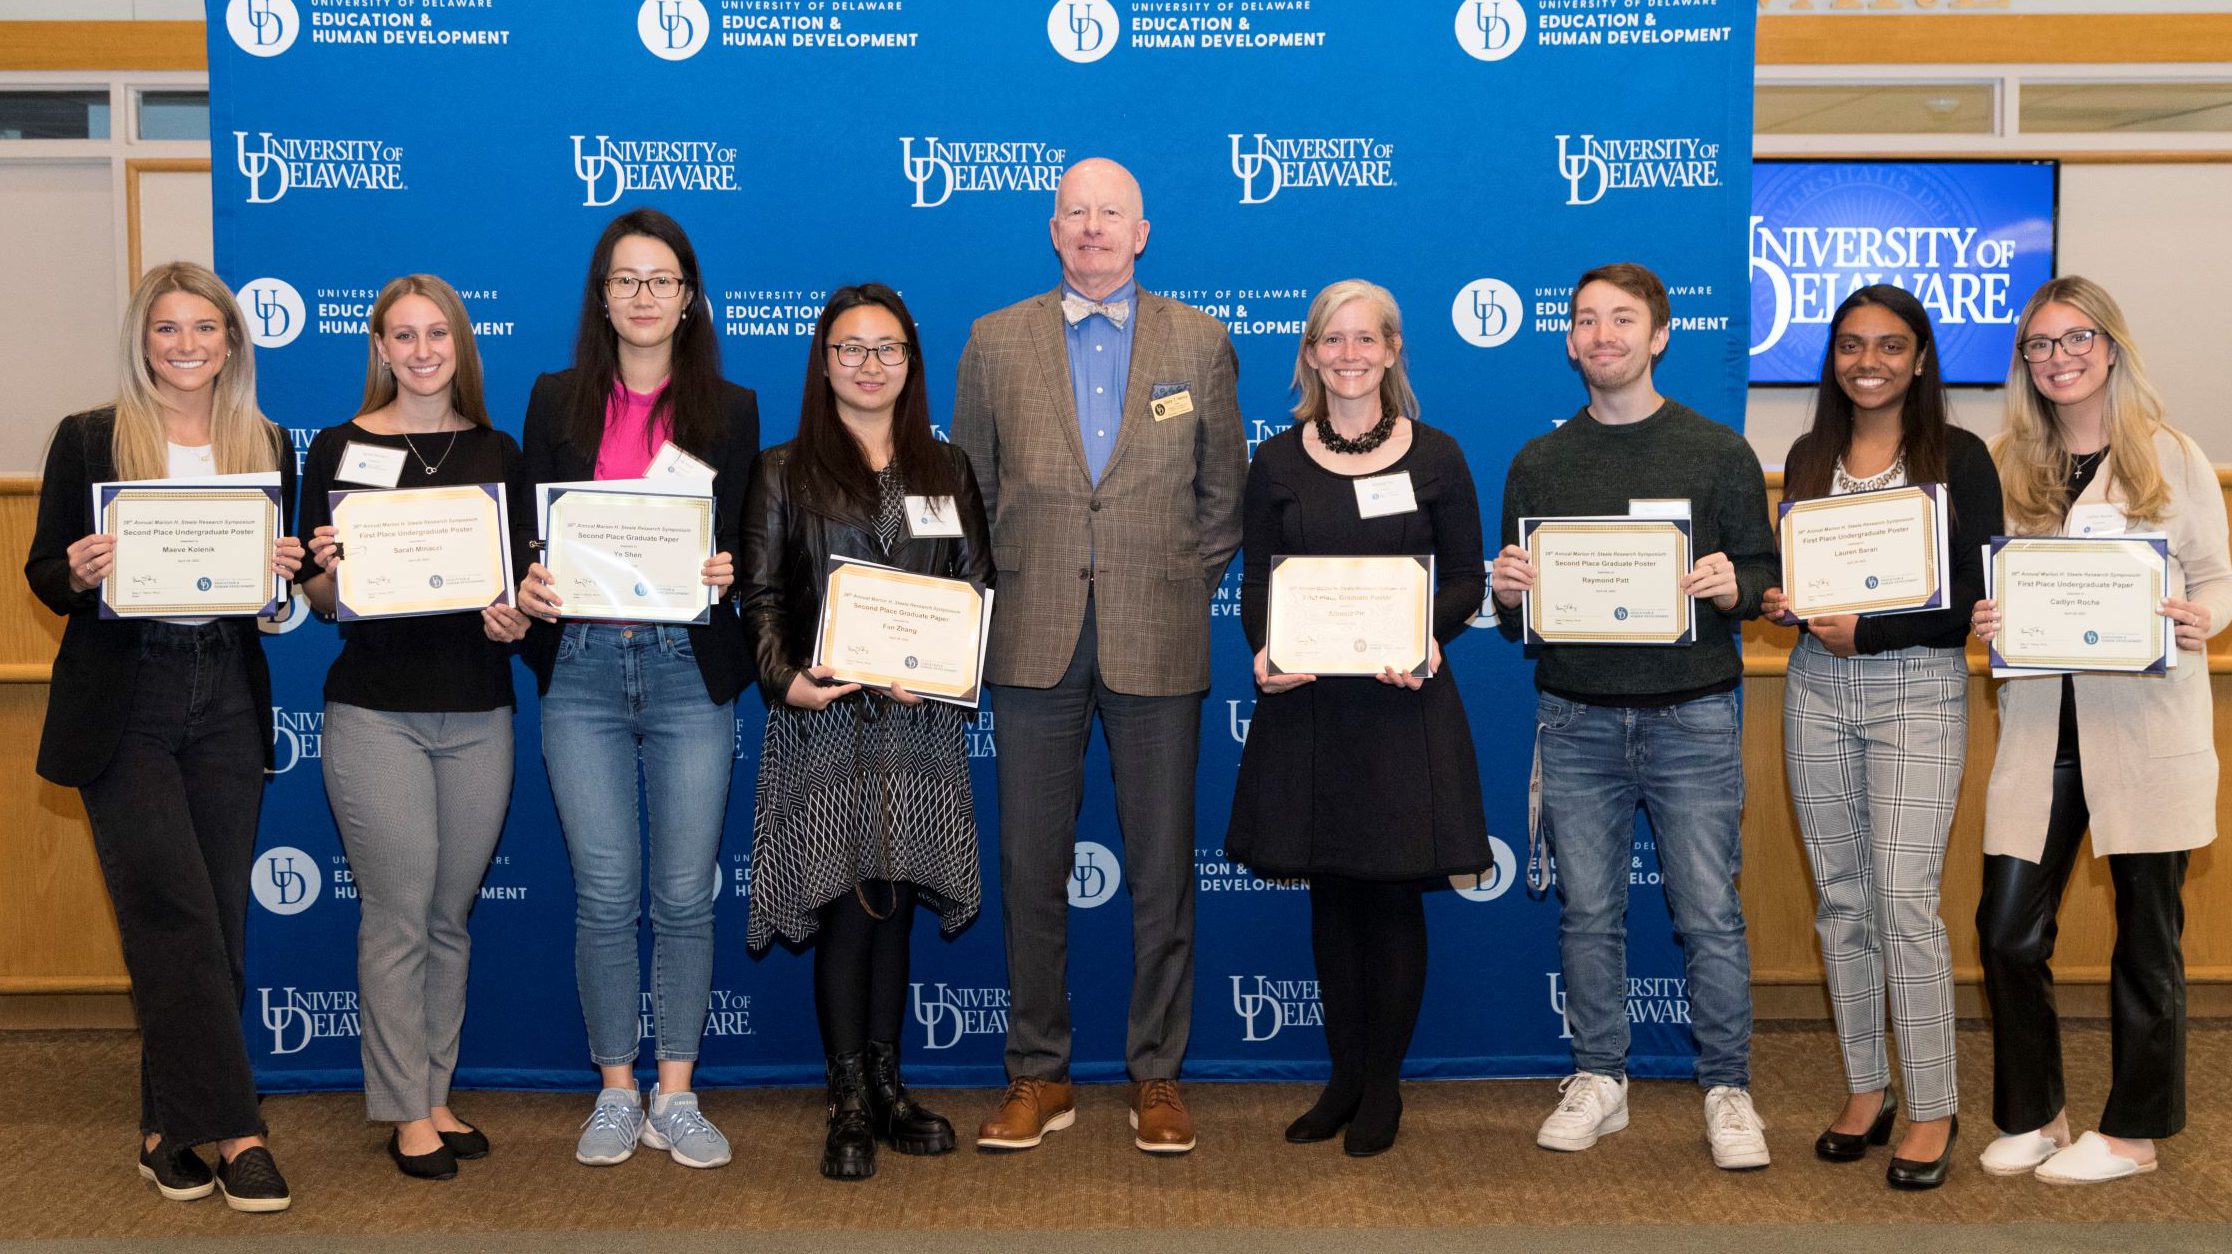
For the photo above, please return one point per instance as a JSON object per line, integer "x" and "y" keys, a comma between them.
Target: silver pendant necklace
{"x": 431, "y": 467}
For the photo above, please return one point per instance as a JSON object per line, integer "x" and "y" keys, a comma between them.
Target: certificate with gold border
{"x": 1607, "y": 580}
{"x": 881, "y": 626}
{"x": 627, "y": 556}
{"x": 2070, "y": 603}
{"x": 189, "y": 551}
{"x": 1349, "y": 615}
{"x": 411, "y": 551}
{"x": 1877, "y": 553}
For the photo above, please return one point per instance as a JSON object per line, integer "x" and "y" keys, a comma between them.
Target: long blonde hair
{"x": 465, "y": 386}
{"x": 2034, "y": 460}
{"x": 1395, "y": 393}
{"x": 241, "y": 438}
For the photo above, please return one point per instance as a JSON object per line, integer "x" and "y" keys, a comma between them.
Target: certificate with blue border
{"x": 405, "y": 552}
{"x": 629, "y": 556}
{"x": 2080, "y": 603}
{"x": 190, "y": 550}
{"x": 1608, "y": 580}
{"x": 1872, "y": 553}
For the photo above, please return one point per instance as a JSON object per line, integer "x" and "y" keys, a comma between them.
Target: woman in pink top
{"x": 625, "y": 703}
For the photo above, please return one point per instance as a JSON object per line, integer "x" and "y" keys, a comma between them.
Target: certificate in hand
{"x": 629, "y": 556}
{"x": 1881, "y": 552}
{"x": 1609, "y": 580}
{"x": 2080, "y": 604}
{"x": 189, "y": 550}
{"x": 420, "y": 550}
{"x": 881, "y": 626}
{"x": 1349, "y": 615}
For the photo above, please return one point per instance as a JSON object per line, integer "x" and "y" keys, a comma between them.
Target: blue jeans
{"x": 620, "y": 697}
{"x": 1683, "y": 765}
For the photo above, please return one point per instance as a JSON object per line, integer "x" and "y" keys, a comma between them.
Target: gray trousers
{"x": 420, "y": 801}
{"x": 1875, "y": 746}
{"x": 1153, "y": 745}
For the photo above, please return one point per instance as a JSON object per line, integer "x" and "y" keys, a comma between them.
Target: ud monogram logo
{"x": 1487, "y": 312}
{"x": 265, "y": 170}
{"x": 919, "y": 171}
{"x": 673, "y": 30}
{"x": 263, "y": 28}
{"x": 275, "y": 312}
{"x": 593, "y": 167}
{"x": 1257, "y": 170}
{"x": 1501, "y": 873}
{"x": 1490, "y": 30}
{"x": 1083, "y": 30}
{"x": 1095, "y": 876}
{"x": 285, "y": 880}
{"x": 1583, "y": 170}
{"x": 949, "y": 1013}
{"x": 1274, "y": 1004}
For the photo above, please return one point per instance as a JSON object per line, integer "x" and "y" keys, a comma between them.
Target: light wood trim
{"x": 133, "y": 168}
{"x": 104, "y": 46}
{"x": 1978, "y": 38}
{"x": 80, "y": 984}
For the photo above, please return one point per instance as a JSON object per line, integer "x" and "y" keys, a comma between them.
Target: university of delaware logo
{"x": 947, "y": 1014}
{"x": 1266, "y": 1005}
{"x": 263, "y": 28}
{"x": 673, "y": 30}
{"x": 1493, "y": 882}
{"x": 299, "y": 1016}
{"x": 297, "y": 736}
{"x": 1490, "y": 30}
{"x": 275, "y": 312}
{"x": 1095, "y": 876}
{"x": 945, "y": 166}
{"x": 275, "y": 165}
{"x": 1267, "y": 166}
{"x": 285, "y": 880}
{"x": 1596, "y": 166}
{"x": 1487, "y": 312}
{"x": 1083, "y": 30}
{"x": 609, "y": 167}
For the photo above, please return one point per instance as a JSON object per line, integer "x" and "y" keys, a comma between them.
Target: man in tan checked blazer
{"x": 1104, "y": 427}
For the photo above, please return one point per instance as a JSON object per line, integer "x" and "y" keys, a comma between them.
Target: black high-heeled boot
{"x": 897, "y": 1119}
{"x": 849, "y": 1151}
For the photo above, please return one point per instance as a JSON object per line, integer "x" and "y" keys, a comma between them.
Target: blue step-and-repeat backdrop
{"x": 1474, "y": 157}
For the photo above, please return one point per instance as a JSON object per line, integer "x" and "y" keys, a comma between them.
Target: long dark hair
{"x": 691, "y": 405}
{"x": 1813, "y": 459}
{"x": 828, "y": 466}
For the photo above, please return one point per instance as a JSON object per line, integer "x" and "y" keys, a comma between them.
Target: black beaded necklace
{"x": 1335, "y": 442}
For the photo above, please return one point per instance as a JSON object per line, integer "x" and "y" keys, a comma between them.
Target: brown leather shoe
{"x": 1159, "y": 1116}
{"x": 1029, "y": 1110}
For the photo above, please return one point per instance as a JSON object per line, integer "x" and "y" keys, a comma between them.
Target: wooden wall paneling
{"x": 1976, "y": 38}
{"x": 57, "y": 931}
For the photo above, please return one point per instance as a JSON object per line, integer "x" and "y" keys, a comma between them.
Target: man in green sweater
{"x": 1624, "y": 725}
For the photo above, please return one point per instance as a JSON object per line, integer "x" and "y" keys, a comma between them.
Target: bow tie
{"x": 1076, "y": 309}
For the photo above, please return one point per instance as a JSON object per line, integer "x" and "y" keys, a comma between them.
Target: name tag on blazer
{"x": 369, "y": 464}
{"x": 1171, "y": 400}
{"x": 933, "y": 518}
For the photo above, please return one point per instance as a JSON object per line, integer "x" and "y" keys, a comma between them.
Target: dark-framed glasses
{"x": 625, "y": 286}
{"x": 2076, "y": 343}
{"x": 891, "y": 354}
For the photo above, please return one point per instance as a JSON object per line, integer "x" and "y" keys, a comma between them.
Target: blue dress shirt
{"x": 1099, "y": 363}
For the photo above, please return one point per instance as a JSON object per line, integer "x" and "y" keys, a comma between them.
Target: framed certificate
{"x": 881, "y": 626}
{"x": 1880, "y": 552}
{"x": 1349, "y": 615}
{"x": 2070, "y": 603}
{"x": 189, "y": 550}
{"x": 420, "y": 550}
{"x": 1611, "y": 580}
{"x": 629, "y": 556}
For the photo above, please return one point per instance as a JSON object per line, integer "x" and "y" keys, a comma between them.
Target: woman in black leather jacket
{"x": 864, "y": 802}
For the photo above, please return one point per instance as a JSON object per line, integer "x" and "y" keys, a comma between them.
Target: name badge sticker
{"x": 1658, "y": 507}
{"x": 2098, "y": 520}
{"x": 670, "y": 462}
{"x": 1176, "y": 405}
{"x": 370, "y": 465}
{"x": 1382, "y": 495}
{"x": 933, "y": 518}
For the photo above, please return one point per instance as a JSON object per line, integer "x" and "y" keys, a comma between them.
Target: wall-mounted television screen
{"x": 1971, "y": 239}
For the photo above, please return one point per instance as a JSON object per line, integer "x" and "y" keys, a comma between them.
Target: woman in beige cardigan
{"x": 2131, "y": 756}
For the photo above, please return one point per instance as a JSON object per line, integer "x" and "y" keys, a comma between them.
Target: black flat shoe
{"x": 250, "y": 1182}
{"x": 1850, "y": 1147}
{"x": 435, "y": 1164}
{"x": 471, "y": 1143}
{"x": 178, "y": 1172}
{"x": 1906, "y": 1173}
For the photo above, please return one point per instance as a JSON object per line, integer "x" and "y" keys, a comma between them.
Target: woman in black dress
{"x": 1366, "y": 785}
{"x": 864, "y": 801}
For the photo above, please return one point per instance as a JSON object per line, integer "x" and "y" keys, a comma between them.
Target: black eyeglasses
{"x": 892, "y": 354}
{"x": 2076, "y": 343}
{"x": 625, "y": 286}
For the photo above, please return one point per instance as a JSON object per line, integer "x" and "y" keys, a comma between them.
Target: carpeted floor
{"x": 1466, "y": 1174}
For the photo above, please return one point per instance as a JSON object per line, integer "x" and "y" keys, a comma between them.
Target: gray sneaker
{"x": 679, "y": 1128}
{"x": 610, "y": 1133}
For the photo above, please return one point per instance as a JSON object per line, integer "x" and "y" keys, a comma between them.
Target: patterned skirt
{"x": 865, "y": 789}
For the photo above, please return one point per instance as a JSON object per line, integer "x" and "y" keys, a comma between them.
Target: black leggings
{"x": 2146, "y": 975}
{"x": 1369, "y": 938}
{"x": 860, "y": 966}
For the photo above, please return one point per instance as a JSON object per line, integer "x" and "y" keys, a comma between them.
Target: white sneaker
{"x": 1592, "y": 1106}
{"x": 1734, "y": 1129}
{"x": 2018, "y": 1154}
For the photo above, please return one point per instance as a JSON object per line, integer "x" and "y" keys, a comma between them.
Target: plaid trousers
{"x": 1874, "y": 746}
